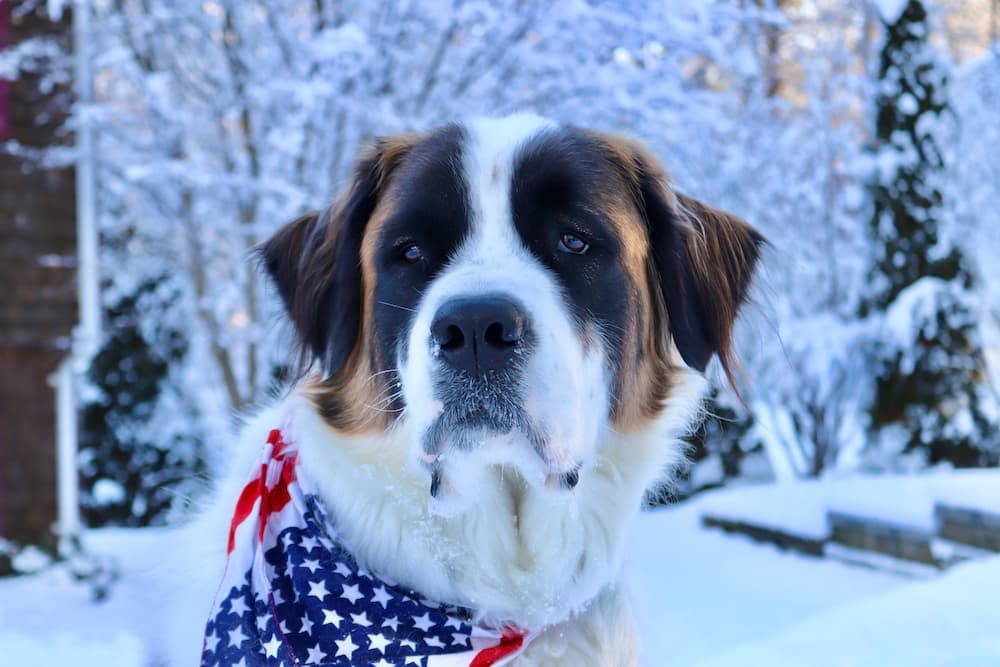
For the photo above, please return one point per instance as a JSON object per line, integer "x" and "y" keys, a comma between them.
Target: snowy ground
{"x": 711, "y": 599}
{"x": 50, "y": 619}
{"x": 703, "y": 598}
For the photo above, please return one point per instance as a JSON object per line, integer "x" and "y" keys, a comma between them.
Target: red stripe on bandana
{"x": 509, "y": 644}
{"x": 244, "y": 506}
{"x": 271, "y": 499}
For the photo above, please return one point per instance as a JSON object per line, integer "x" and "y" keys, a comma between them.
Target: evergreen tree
{"x": 930, "y": 395}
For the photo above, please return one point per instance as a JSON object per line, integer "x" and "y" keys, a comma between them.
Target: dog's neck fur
{"x": 519, "y": 554}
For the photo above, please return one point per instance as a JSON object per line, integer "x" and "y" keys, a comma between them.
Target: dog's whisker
{"x": 388, "y": 370}
{"x": 391, "y": 397}
{"x": 371, "y": 377}
{"x": 387, "y": 411}
{"x": 388, "y": 390}
{"x": 396, "y": 305}
{"x": 385, "y": 401}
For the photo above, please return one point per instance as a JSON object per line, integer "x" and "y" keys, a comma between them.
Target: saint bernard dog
{"x": 504, "y": 326}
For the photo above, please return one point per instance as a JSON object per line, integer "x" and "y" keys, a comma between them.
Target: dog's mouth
{"x": 477, "y": 408}
{"x": 485, "y": 418}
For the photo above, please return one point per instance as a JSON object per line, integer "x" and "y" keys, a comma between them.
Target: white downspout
{"x": 88, "y": 333}
{"x": 67, "y": 481}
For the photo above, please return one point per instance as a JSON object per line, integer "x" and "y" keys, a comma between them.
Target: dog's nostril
{"x": 453, "y": 338}
{"x": 499, "y": 336}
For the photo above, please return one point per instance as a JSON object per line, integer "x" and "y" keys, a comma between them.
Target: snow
{"x": 30, "y": 559}
{"x": 54, "y": 8}
{"x": 707, "y": 472}
{"x": 108, "y": 491}
{"x": 910, "y": 500}
{"x": 971, "y": 489}
{"x": 59, "y": 648}
{"x": 951, "y": 620}
{"x": 51, "y": 619}
{"x": 914, "y": 308}
{"x": 700, "y": 591}
{"x": 890, "y": 10}
{"x": 907, "y": 104}
{"x": 797, "y": 507}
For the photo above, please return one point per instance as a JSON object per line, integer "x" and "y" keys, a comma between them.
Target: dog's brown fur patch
{"x": 719, "y": 251}
{"x": 356, "y": 399}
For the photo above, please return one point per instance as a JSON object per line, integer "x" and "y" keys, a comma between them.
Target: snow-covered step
{"x": 900, "y": 541}
{"x": 780, "y": 538}
{"x": 790, "y": 516}
{"x": 973, "y": 527}
{"x": 911, "y": 500}
{"x": 880, "y": 562}
{"x": 903, "y": 517}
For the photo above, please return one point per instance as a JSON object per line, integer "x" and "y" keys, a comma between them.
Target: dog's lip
{"x": 435, "y": 481}
{"x": 566, "y": 479}
{"x": 432, "y": 448}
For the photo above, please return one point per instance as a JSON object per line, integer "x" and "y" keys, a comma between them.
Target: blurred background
{"x": 147, "y": 147}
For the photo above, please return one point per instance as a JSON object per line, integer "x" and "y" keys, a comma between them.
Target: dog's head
{"x": 508, "y": 289}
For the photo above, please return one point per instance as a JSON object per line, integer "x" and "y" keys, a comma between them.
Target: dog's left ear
{"x": 701, "y": 258}
{"x": 706, "y": 260}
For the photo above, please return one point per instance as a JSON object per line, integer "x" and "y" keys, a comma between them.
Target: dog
{"x": 504, "y": 328}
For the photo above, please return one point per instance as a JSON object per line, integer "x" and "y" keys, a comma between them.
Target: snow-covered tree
{"x": 219, "y": 121}
{"x": 931, "y": 395}
{"x": 790, "y": 164}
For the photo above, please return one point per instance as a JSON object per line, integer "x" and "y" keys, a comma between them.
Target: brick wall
{"x": 27, "y": 456}
{"x": 38, "y": 278}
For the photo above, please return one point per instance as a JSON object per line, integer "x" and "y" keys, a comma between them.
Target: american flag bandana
{"x": 292, "y": 595}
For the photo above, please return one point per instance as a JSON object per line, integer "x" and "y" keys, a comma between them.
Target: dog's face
{"x": 510, "y": 289}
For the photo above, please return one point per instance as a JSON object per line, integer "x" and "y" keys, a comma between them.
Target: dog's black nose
{"x": 479, "y": 334}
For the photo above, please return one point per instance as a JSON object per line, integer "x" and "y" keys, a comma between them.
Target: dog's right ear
{"x": 288, "y": 257}
{"x": 315, "y": 261}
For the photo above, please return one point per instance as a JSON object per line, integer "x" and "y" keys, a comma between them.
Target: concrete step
{"x": 779, "y": 538}
{"x": 865, "y": 534}
{"x": 973, "y": 527}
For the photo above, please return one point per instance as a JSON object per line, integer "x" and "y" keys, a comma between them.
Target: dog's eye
{"x": 574, "y": 245}
{"x": 413, "y": 253}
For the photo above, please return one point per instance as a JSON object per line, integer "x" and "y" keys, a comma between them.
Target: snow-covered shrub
{"x": 141, "y": 442}
{"x": 790, "y": 164}
{"x": 717, "y": 450}
{"x": 823, "y": 383}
